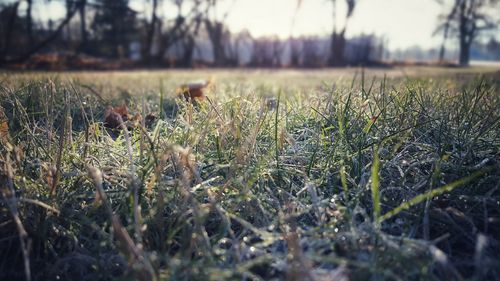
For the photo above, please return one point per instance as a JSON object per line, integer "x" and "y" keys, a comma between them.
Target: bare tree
{"x": 8, "y": 18}
{"x": 295, "y": 46}
{"x": 338, "y": 37}
{"x": 189, "y": 39}
{"x": 239, "y": 49}
{"x": 83, "y": 26}
{"x": 466, "y": 19}
{"x": 69, "y": 8}
{"x": 177, "y": 29}
{"x": 29, "y": 21}
{"x": 217, "y": 32}
{"x": 151, "y": 31}
{"x": 36, "y": 47}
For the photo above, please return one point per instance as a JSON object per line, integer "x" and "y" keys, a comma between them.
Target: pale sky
{"x": 404, "y": 23}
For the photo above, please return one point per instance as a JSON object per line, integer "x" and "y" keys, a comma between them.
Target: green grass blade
{"x": 375, "y": 186}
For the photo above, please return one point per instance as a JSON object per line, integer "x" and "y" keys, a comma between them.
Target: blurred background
{"x": 122, "y": 34}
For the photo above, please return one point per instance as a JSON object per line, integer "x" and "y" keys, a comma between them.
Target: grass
{"x": 341, "y": 177}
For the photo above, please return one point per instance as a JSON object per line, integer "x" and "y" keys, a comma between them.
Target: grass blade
{"x": 375, "y": 186}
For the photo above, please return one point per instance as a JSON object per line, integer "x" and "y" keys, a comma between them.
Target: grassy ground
{"x": 318, "y": 175}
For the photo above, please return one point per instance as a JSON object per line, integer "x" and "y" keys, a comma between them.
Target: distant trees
{"x": 336, "y": 56}
{"x": 171, "y": 30}
{"x": 466, "y": 19}
{"x": 239, "y": 48}
{"x": 167, "y": 33}
{"x": 9, "y": 23}
{"x": 19, "y": 29}
{"x": 189, "y": 31}
{"x": 266, "y": 52}
{"x": 312, "y": 53}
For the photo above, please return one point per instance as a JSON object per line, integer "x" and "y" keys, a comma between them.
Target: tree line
{"x": 187, "y": 33}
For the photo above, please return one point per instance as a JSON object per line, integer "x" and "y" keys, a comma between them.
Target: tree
{"x": 180, "y": 29}
{"x": 188, "y": 41}
{"x": 83, "y": 26}
{"x": 466, "y": 19}
{"x": 295, "y": 51}
{"x": 338, "y": 41}
{"x": 266, "y": 52}
{"x": 239, "y": 49}
{"x": 311, "y": 53}
{"x": 9, "y": 23}
{"x": 33, "y": 46}
{"x": 217, "y": 33}
{"x": 114, "y": 26}
{"x": 29, "y": 21}
{"x": 151, "y": 31}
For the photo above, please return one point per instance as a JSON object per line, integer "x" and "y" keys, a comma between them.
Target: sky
{"x": 403, "y": 23}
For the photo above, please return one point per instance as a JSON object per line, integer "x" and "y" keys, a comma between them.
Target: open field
{"x": 140, "y": 82}
{"x": 383, "y": 174}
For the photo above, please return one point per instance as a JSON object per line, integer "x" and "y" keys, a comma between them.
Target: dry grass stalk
{"x": 60, "y": 150}
{"x": 9, "y": 196}
{"x": 133, "y": 252}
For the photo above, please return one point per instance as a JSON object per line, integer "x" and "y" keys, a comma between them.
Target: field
{"x": 387, "y": 174}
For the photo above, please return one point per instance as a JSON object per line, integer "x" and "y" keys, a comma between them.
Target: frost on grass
{"x": 386, "y": 179}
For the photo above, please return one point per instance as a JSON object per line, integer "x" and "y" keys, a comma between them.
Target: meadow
{"x": 348, "y": 174}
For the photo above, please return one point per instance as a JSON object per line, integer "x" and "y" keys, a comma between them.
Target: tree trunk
{"x": 29, "y": 21}
{"x": 337, "y": 49}
{"x": 151, "y": 32}
{"x": 10, "y": 27}
{"x": 69, "y": 6}
{"x": 441, "y": 53}
{"x": 463, "y": 35}
{"x": 42, "y": 44}
{"x": 442, "y": 50}
{"x": 83, "y": 26}
{"x": 464, "y": 53}
{"x": 294, "y": 53}
{"x": 190, "y": 44}
{"x": 168, "y": 38}
{"x": 187, "y": 56}
{"x": 215, "y": 33}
